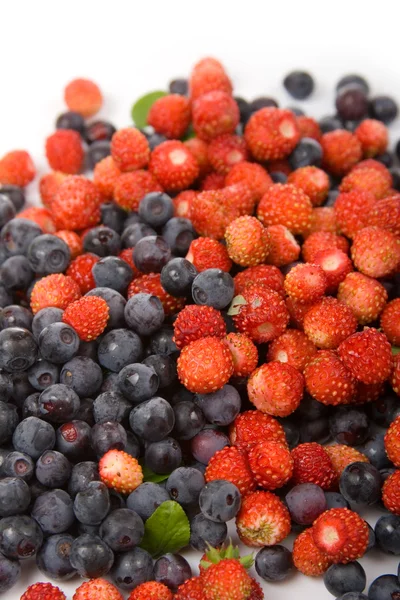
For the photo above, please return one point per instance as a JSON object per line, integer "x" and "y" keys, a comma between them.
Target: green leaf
{"x": 395, "y": 350}
{"x": 149, "y": 475}
{"x": 141, "y": 108}
{"x": 167, "y": 530}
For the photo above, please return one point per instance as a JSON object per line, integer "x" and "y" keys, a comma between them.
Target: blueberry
{"x": 42, "y": 374}
{"x": 155, "y": 209}
{"x": 351, "y": 103}
{"x": 119, "y": 348}
{"x": 133, "y": 446}
{"x": 73, "y": 440}
{"x": 349, "y": 426}
{"x": 354, "y": 81}
{"x": 163, "y": 456}
{"x": 138, "y": 382}
{"x": 110, "y": 383}
{"x": 274, "y": 563}
{"x": 113, "y": 216}
{"x": 244, "y": 109}
{"x": 220, "y": 407}
{"x": 33, "y": 436}
{"x": 371, "y": 538}
{"x": 203, "y": 531}
{"x": 189, "y": 420}
{"x": 88, "y": 349}
{"x": 177, "y": 277}
{"x": 164, "y": 366}
{"x": 53, "y": 510}
{"x": 311, "y": 409}
{"x": 381, "y": 411}
{"x": 7, "y": 209}
{"x": 81, "y": 475}
{"x": 184, "y": 485}
{"x": 151, "y": 253}
{"x": 307, "y": 152}
{"x": 298, "y": 112}
{"x": 15, "y": 316}
{"x": 387, "y": 532}
{"x": 172, "y": 570}
{"x": 132, "y": 568}
{"x": 14, "y": 496}
{"x": 15, "y": 194}
{"x": 144, "y": 313}
{"x": 305, "y": 502}
{"x": 386, "y": 158}
{"x": 90, "y": 556}
{"x": 17, "y": 235}
{"x": 179, "y": 86}
{"x": 8, "y": 421}
{"x": 335, "y": 500}
{"x": 10, "y": 571}
{"x": 292, "y": 432}
{"x": 360, "y": 483}
{"x": 135, "y": 232}
{"x": 152, "y": 420}
{"x": 71, "y": 120}
{"x": 383, "y": 108}
{"x": 53, "y": 469}
{"x": 107, "y": 436}
{"x": 82, "y": 375}
{"x": 116, "y": 305}
{"x": 315, "y": 431}
{"x": 18, "y": 464}
{"x": 146, "y": 498}
{"x": 21, "y": 388}
{"x": 48, "y": 254}
{"x": 340, "y": 579}
{"x": 213, "y": 287}
{"x": 179, "y": 234}
{"x": 58, "y": 342}
{"x": 98, "y": 130}
{"x": 5, "y": 296}
{"x": 18, "y": 349}
{"x": 155, "y": 139}
{"x": 102, "y": 241}
{"x": 299, "y": 84}
{"x": 59, "y": 403}
{"x": 278, "y": 177}
{"x": 162, "y": 342}
{"x": 97, "y": 151}
{"x": 374, "y": 450}
{"x": 30, "y": 407}
{"x": 112, "y": 272}
{"x": 111, "y": 406}
{"x": 44, "y": 318}
{"x": 85, "y": 412}
{"x": 92, "y": 505}
{"x": 220, "y": 500}
{"x": 385, "y": 587}
{"x": 206, "y": 443}
{"x": 53, "y": 557}
{"x": 20, "y": 537}
{"x": 262, "y": 102}
{"x": 122, "y": 530}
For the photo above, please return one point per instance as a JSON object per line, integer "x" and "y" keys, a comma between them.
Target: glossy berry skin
{"x": 206, "y": 443}
{"x": 58, "y": 342}
{"x": 305, "y": 502}
{"x": 163, "y": 456}
{"x": 144, "y": 313}
{"x": 151, "y": 254}
{"x": 102, "y": 241}
{"x": 58, "y": 403}
{"x": 138, "y": 382}
{"x": 220, "y": 501}
{"x": 14, "y": 496}
{"x": 213, "y": 287}
{"x": 90, "y": 556}
{"x": 189, "y": 420}
{"x": 299, "y": 84}
{"x": 273, "y": 563}
{"x": 383, "y": 108}
{"x": 122, "y": 530}
{"x": 203, "y": 531}
{"x": 18, "y": 349}
{"x": 20, "y": 537}
{"x": 177, "y": 277}
{"x": 349, "y": 426}
{"x": 81, "y": 475}
{"x": 92, "y": 505}
{"x": 184, "y": 485}
{"x": 387, "y": 532}
{"x": 43, "y": 374}
{"x": 53, "y": 510}
{"x": 156, "y": 209}
{"x": 220, "y": 407}
{"x": 360, "y": 483}
{"x": 307, "y": 153}
{"x": 73, "y": 440}
{"x": 52, "y": 469}
{"x": 132, "y": 568}
{"x": 112, "y": 272}
{"x": 119, "y": 348}
{"x": 146, "y": 498}
{"x": 153, "y": 419}
{"x": 385, "y": 586}
{"x": 341, "y": 579}
{"x": 33, "y": 436}
{"x": 48, "y": 254}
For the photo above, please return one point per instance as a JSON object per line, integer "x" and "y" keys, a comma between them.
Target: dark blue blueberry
{"x": 278, "y": 177}
{"x": 107, "y": 436}
{"x": 179, "y": 234}
{"x": 92, "y": 505}
{"x": 155, "y": 139}
{"x": 88, "y": 349}
{"x": 151, "y": 253}
{"x": 102, "y": 241}
{"x": 262, "y": 102}
{"x": 7, "y": 210}
{"x": 90, "y": 556}
{"x": 354, "y": 81}
{"x": 10, "y": 571}
{"x": 298, "y": 112}
{"x": 315, "y": 431}
{"x": 155, "y": 209}
{"x": 274, "y": 563}
{"x": 219, "y": 500}
{"x": 133, "y": 446}
{"x": 164, "y": 366}
{"x": 20, "y": 537}
{"x": 299, "y": 84}
{"x": 382, "y": 410}
{"x": 152, "y": 420}
{"x": 172, "y": 570}
{"x": 21, "y": 388}
{"x": 162, "y": 342}
{"x": 112, "y": 272}
{"x": 177, "y": 277}
{"x": 360, "y": 483}
{"x": 146, "y": 498}
{"x": 30, "y": 407}
{"x": 83, "y": 375}
{"x": 220, "y": 407}
{"x": 179, "y": 86}
{"x": 244, "y": 109}
{"x": 116, "y": 304}
{"x": 335, "y": 500}
{"x": 307, "y": 152}
{"x": 204, "y": 532}
{"x": 138, "y": 382}
{"x": 15, "y": 194}
{"x": 352, "y": 103}
{"x": 36, "y": 489}
{"x": 53, "y": 510}
{"x": 189, "y": 420}
{"x": 18, "y": 349}
{"x": 340, "y": 579}
{"x": 163, "y": 456}
{"x": 97, "y": 131}
{"x": 15, "y": 316}
{"x": 81, "y": 475}
{"x": 371, "y": 538}
{"x": 17, "y": 235}
{"x": 144, "y": 313}
{"x": 53, "y": 469}
{"x": 206, "y": 443}
{"x": 305, "y": 501}
{"x": 43, "y": 374}
{"x": 44, "y": 318}
{"x": 383, "y": 108}
{"x": 33, "y": 436}
{"x": 18, "y": 464}
{"x": 6, "y": 386}
{"x": 122, "y": 530}
{"x": 71, "y": 120}
{"x": 73, "y": 440}
{"x": 53, "y": 557}
{"x": 111, "y": 406}
{"x": 332, "y": 195}
{"x": 385, "y": 473}
{"x": 135, "y": 232}
{"x": 385, "y": 587}
{"x": 349, "y": 426}
{"x": 311, "y": 409}
{"x": 374, "y": 450}
{"x": 58, "y": 342}
{"x": 48, "y": 254}
{"x": 8, "y": 421}
{"x": 213, "y": 287}
{"x": 184, "y": 485}
{"x": 132, "y": 218}
{"x": 386, "y": 158}
{"x": 292, "y": 432}
{"x": 14, "y": 496}
{"x": 387, "y": 532}
{"x": 110, "y": 383}
{"x": 5, "y": 297}
{"x": 97, "y": 151}
{"x": 132, "y": 568}
{"x": 59, "y": 403}
{"x": 113, "y": 216}
{"x": 85, "y": 412}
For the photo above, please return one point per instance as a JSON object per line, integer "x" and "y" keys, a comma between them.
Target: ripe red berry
{"x": 151, "y": 284}
{"x": 309, "y": 127}
{"x": 364, "y": 295}
{"x": 271, "y": 133}
{"x": 225, "y": 151}
{"x": 351, "y": 210}
{"x": 231, "y": 464}
{"x": 97, "y": 589}
{"x": 105, "y": 176}
{"x": 170, "y": 115}
{"x": 205, "y": 365}
{"x": 76, "y": 204}
{"x": 247, "y": 241}
{"x": 276, "y": 388}
{"x": 120, "y": 471}
{"x": 368, "y": 179}
{"x": 386, "y": 214}
{"x": 341, "y": 151}
{"x": 328, "y": 380}
{"x": 130, "y": 188}
{"x": 195, "y": 322}
{"x": 72, "y": 240}
{"x": 182, "y": 202}
{"x": 199, "y": 149}
{"x": 43, "y": 591}
{"x": 212, "y": 181}
{"x": 17, "y": 168}
{"x": 390, "y": 321}
{"x": 54, "y": 290}
{"x": 311, "y": 464}
{"x": 307, "y": 558}
{"x": 313, "y": 181}
{"x": 373, "y": 137}
{"x": 214, "y": 114}
{"x": 206, "y": 253}
{"x": 83, "y": 96}
{"x": 265, "y": 274}
{"x": 208, "y": 75}
{"x": 253, "y": 426}
{"x": 305, "y": 283}
{"x": 341, "y": 456}
{"x": 227, "y": 579}
{"x": 284, "y": 204}
{"x": 252, "y": 175}
{"x": 64, "y": 151}
{"x": 39, "y": 215}
{"x": 173, "y": 165}
{"x": 80, "y": 270}
{"x": 211, "y": 213}
{"x": 151, "y": 590}
{"x": 284, "y": 248}
{"x": 336, "y": 265}
{"x": 392, "y": 442}
{"x": 329, "y": 322}
{"x": 322, "y": 240}
{"x": 241, "y": 197}
{"x": 367, "y": 355}
{"x": 391, "y": 493}
{"x": 48, "y": 186}
{"x": 130, "y": 149}
{"x": 244, "y": 354}
{"x": 292, "y": 347}
{"x": 341, "y": 534}
{"x": 271, "y": 464}
{"x": 88, "y": 316}
{"x": 323, "y": 218}
{"x": 376, "y": 252}
{"x": 263, "y": 520}
{"x": 191, "y": 589}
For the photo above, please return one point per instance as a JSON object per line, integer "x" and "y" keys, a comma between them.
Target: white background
{"x": 136, "y": 46}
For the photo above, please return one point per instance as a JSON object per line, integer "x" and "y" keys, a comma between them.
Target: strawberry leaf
{"x": 149, "y": 475}
{"x": 141, "y": 108}
{"x": 395, "y": 350}
{"x": 167, "y": 530}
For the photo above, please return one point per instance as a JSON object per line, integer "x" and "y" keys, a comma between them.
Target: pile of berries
{"x": 205, "y": 330}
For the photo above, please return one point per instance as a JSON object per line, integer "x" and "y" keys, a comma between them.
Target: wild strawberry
{"x": 253, "y": 426}
{"x": 64, "y": 151}
{"x": 76, "y": 204}
{"x": 297, "y": 312}
{"x": 276, "y": 388}
{"x": 127, "y": 255}
{"x": 279, "y": 166}
{"x": 367, "y": 355}
{"x": 328, "y": 380}
{"x": 266, "y": 274}
{"x": 231, "y": 464}
{"x": 263, "y": 520}
{"x": 241, "y": 197}
{"x": 191, "y": 589}
{"x": 368, "y": 392}
{"x": 391, "y": 493}
{"x": 105, "y": 176}
{"x": 377, "y": 183}
{"x": 313, "y": 181}
{"x": 329, "y": 322}
{"x": 173, "y": 165}
{"x": 271, "y": 133}
{"x": 195, "y": 322}
{"x": 365, "y": 296}
{"x": 247, "y": 241}
{"x": 88, "y": 316}
{"x": 392, "y": 442}
{"x": 371, "y": 163}
{"x": 211, "y": 213}
{"x": 341, "y": 456}
{"x": 341, "y": 534}
{"x": 373, "y": 137}
{"x": 130, "y": 149}
{"x": 284, "y": 247}
{"x": 120, "y": 471}
{"x": 83, "y": 96}
{"x": 307, "y": 558}
{"x": 17, "y": 168}
{"x": 80, "y": 270}
{"x": 284, "y": 204}
{"x": 212, "y": 181}
{"x": 214, "y": 114}
{"x": 390, "y": 321}
{"x": 225, "y": 151}
{"x": 292, "y": 347}
{"x": 305, "y": 283}
{"x": 385, "y": 213}
{"x": 48, "y": 186}
{"x": 322, "y": 240}
{"x": 151, "y": 590}
{"x": 151, "y": 284}
{"x": 341, "y": 151}
{"x": 54, "y": 290}
{"x": 395, "y": 377}
{"x": 199, "y": 149}
{"x": 182, "y": 202}
{"x": 323, "y": 218}
{"x": 97, "y": 589}
{"x": 252, "y": 175}
{"x": 311, "y": 464}
{"x": 260, "y": 313}
{"x": 39, "y": 215}
{"x": 309, "y": 127}
{"x": 208, "y": 76}
{"x": 226, "y": 580}
{"x": 72, "y": 240}
{"x": 352, "y": 209}
{"x": 43, "y": 591}
{"x": 130, "y": 188}
{"x": 376, "y": 252}
{"x": 256, "y": 591}
{"x": 205, "y": 365}
{"x": 170, "y": 115}
{"x": 271, "y": 464}
{"x": 336, "y": 265}
{"x": 244, "y": 354}
{"x": 206, "y": 253}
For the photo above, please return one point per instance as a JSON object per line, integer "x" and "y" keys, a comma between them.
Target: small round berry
{"x": 83, "y": 96}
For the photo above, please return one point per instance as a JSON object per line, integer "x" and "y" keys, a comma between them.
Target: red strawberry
{"x": 151, "y": 590}
{"x": 309, "y": 127}
{"x": 276, "y": 388}
{"x": 271, "y": 464}
{"x": 263, "y": 520}
{"x": 191, "y": 589}
{"x": 341, "y": 534}
{"x": 371, "y": 180}
{"x": 313, "y": 181}
{"x": 225, "y": 151}
{"x": 206, "y": 253}
{"x": 182, "y": 202}
{"x": 322, "y": 240}
{"x": 244, "y": 354}
{"x": 151, "y": 284}
{"x": 173, "y": 165}
{"x": 253, "y": 426}
{"x": 311, "y": 464}
{"x": 279, "y": 166}
{"x": 64, "y": 151}
{"x": 376, "y": 252}
{"x": 208, "y": 76}
{"x": 241, "y": 197}
{"x": 297, "y": 312}
{"x": 120, "y": 471}
{"x": 284, "y": 247}
{"x": 130, "y": 149}
{"x": 127, "y": 255}
{"x": 386, "y": 214}
{"x": 39, "y": 215}
{"x": 365, "y": 296}
{"x": 256, "y": 591}
{"x": 43, "y": 591}
{"x": 170, "y": 115}
{"x": 307, "y": 558}
{"x": 367, "y": 355}
{"x": 352, "y": 209}
{"x": 195, "y": 322}
{"x": 211, "y": 213}
{"x": 83, "y": 96}
{"x": 328, "y": 380}
{"x": 88, "y": 316}
{"x": 130, "y": 188}
{"x": 260, "y": 313}
{"x": 199, "y": 149}
{"x": 323, "y": 218}
{"x": 54, "y": 290}
{"x": 265, "y": 274}
{"x": 231, "y": 464}
{"x": 335, "y": 264}
{"x": 392, "y": 442}
{"x": 97, "y": 589}
{"x": 390, "y": 321}
{"x": 284, "y": 204}
{"x": 17, "y": 168}
{"x": 329, "y": 322}
{"x": 341, "y": 151}
{"x": 271, "y": 133}
{"x": 226, "y": 580}
{"x": 341, "y": 456}
{"x": 370, "y": 163}
{"x": 395, "y": 377}
{"x": 48, "y": 186}
{"x": 305, "y": 283}
{"x": 252, "y": 175}
{"x": 76, "y": 204}
{"x": 80, "y": 270}
{"x": 247, "y": 241}
{"x": 391, "y": 493}
{"x": 214, "y": 114}
{"x": 292, "y": 347}
{"x": 212, "y": 181}
{"x": 105, "y": 176}
{"x": 205, "y": 365}
{"x": 72, "y": 240}
{"x": 373, "y": 137}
